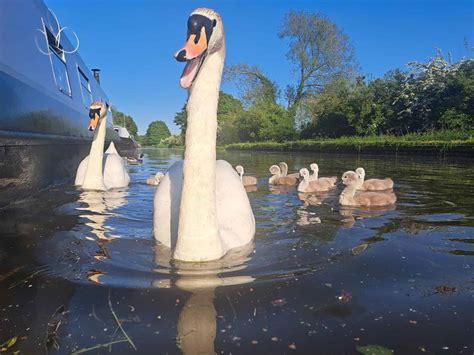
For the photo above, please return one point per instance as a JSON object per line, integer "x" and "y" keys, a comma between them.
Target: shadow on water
{"x": 80, "y": 269}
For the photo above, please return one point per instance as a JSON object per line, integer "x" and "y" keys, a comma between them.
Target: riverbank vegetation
{"x": 438, "y": 142}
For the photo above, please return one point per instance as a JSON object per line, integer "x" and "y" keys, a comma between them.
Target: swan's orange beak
{"x": 93, "y": 123}
{"x": 94, "y": 115}
{"x": 195, "y": 49}
{"x": 192, "y": 48}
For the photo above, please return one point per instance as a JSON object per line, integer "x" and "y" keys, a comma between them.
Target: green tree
{"x": 121, "y": 119}
{"x": 319, "y": 50}
{"x": 437, "y": 94}
{"x": 181, "y": 120}
{"x": 175, "y": 140}
{"x": 276, "y": 123}
{"x": 228, "y": 110}
{"x": 254, "y": 86}
{"x": 156, "y": 131}
{"x": 330, "y": 111}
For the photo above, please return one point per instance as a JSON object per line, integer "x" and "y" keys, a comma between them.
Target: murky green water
{"x": 319, "y": 279}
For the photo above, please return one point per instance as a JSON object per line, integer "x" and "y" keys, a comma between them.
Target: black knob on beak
{"x": 181, "y": 57}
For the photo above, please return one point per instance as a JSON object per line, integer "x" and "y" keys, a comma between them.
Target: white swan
{"x": 99, "y": 171}
{"x": 201, "y": 209}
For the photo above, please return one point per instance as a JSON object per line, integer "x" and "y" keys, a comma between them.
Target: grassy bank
{"x": 442, "y": 142}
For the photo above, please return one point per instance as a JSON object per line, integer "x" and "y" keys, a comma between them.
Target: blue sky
{"x": 133, "y": 41}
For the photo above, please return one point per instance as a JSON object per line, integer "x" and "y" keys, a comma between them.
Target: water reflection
{"x": 351, "y": 214}
{"x": 197, "y": 322}
{"x": 280, "y": 189}
{"x": 96, "y": 207}
{"x": 313, "y": 199}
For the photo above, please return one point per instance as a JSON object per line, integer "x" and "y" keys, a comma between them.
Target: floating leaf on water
{"x": 359, "y": 249}
{"x": 374, "y": 350}
{"x": 8, "y": 344}
{"x": 444, "y": 289}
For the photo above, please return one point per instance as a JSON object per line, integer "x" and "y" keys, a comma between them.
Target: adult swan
{"x": 201, "y": 209}
{"x": 99, "y": 171}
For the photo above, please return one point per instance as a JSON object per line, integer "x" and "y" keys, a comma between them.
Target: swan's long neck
{"x": 198, "y": 232}
{"x": 315, "y": 174}
{"x": 93, "y": 179}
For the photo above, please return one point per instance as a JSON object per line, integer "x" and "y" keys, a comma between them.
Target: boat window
{"x": 85, "y": 88}
{"x": 58, "y": 63}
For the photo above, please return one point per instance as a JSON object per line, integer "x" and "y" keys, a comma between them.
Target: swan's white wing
{"x": 166, "y": 205}
{"x": 111, "y": 149}
{"x": 115, "y": 173}
{"x": 81, "y": 171}
{"x": 234, "y": 213}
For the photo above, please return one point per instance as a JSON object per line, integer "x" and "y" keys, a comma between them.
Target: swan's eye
{"x": 214, "y": 23}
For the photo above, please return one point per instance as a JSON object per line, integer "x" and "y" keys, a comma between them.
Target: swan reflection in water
{"x": 305, "y": 217}
{"x": 197, "y": 322}
{"x": 313, "y": 199}
{"x": 279, "y": 189}
{"x": 96, "y": 207}
{"x": 351, "y": 214}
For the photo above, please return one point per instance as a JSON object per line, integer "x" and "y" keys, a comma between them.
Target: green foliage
{"x": 175, "y": 140}
{"x": 229, "y": 110}
{"x": 434, "y": 95}
{"x": 156, "y": 131}
{"x": 319, "y": 50}
{"x": 180, "y": 120}
{"x": 121, "y": 119}
{"x": 255, "y": 87}
{"x": 374, "y": 350}
{"x": 440, "y": 141}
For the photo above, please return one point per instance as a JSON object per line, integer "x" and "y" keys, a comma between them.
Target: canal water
{"x": 80, "y": 272}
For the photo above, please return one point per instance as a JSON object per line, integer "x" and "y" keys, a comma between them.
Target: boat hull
{"x": 28, "y": 165}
